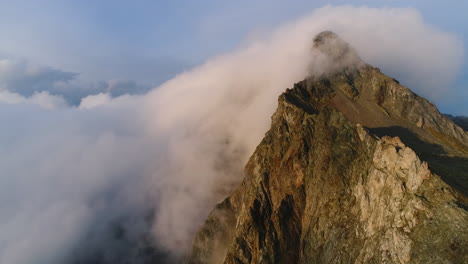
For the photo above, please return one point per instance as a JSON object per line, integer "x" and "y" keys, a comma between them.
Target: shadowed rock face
{"x": 462, "y": 121}
{"x": 354, "y": 169}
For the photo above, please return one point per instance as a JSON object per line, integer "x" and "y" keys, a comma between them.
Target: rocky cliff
{"x": 355, "y": 168}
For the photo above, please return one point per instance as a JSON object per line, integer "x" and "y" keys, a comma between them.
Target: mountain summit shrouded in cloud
{"x": 354, "y": 169}
{"x": 95, "y": 181}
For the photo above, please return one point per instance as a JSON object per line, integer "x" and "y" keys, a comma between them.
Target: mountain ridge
{"x": 461, "y": 121}
{"x": 355, "y": 168}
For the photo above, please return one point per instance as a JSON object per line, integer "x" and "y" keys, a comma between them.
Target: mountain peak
{"x": 339, "y": 52}
{"x": 355, "y": 168}
{"x": 333, "y": 54}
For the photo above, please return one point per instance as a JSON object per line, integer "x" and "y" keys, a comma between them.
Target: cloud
{"x": 118, "y": 88}
{"x": 27, "y": 81}
{"x": 96, "y": 180}
{"x": 66, "y": 176}
{"x": 405, "y": 47}
{"x": 43, "y": 99}
{"x": 92, "y": 101}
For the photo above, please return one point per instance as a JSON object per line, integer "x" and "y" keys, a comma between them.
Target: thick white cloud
{"x": 182, "y": 147}
{"x": 65, "y": 176}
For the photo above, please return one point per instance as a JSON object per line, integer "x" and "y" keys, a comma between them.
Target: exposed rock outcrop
{"x": 355, "y": 169}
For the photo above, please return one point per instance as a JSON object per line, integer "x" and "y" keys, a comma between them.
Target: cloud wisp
{"x": 160, "y": 161}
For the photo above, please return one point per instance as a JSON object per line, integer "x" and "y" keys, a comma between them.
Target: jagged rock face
{"x": 355, "y": 169}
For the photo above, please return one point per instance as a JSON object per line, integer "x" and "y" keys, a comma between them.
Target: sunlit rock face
{"x": 354, "y": 169}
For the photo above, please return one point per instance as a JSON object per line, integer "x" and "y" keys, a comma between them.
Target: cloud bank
{"x": 24, "y": 82}
{"x": 92, "y": 182}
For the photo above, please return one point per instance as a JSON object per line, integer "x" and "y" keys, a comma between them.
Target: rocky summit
{"x": 355, "y": 168}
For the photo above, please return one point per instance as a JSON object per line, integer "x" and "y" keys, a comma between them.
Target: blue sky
{"x": 151, "y": 41}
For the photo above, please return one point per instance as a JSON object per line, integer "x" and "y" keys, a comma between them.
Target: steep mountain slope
{"x": 461, "y": 121}
{"x": 354, "y": 169}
